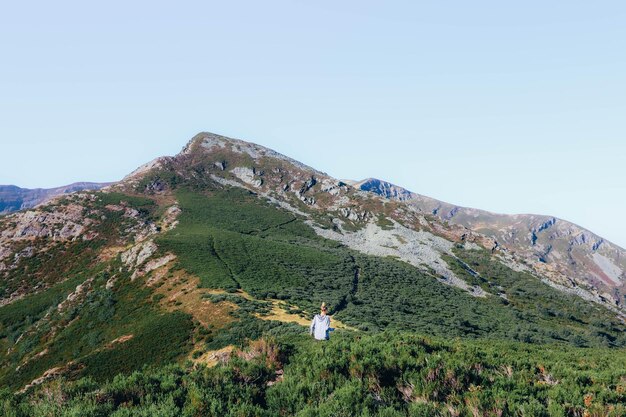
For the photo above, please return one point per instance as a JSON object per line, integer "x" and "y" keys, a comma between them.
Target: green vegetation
{"x": 247, "y": 325}
{"x": 395, "y": 295}
{"x": 83, "y": 334}
{"x": 17, "y": 316}
{"x": 45, "y": 329}
{"x": 231, "y": 239}
{"x": 48, "y": 267}
{"x": 541, "y": 306}
{"x": 386, "y": 374}
{"x": 160, "y": 340}
{"x": 138, "y": 202}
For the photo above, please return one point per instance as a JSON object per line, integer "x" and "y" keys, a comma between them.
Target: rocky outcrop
{"x": 421, "y": 249}
{"x": 247, "y": 175}
{"x": 138, "y": 254}
{"x": 211, "y": 141}
{"x": 383, "y": 188}
{"x": 64, "y": 222}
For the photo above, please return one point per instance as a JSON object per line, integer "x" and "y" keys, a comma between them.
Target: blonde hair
{"x": 323, "y": 307}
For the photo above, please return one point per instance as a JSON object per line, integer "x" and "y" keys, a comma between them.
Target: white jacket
{"x": 320, "y": 326}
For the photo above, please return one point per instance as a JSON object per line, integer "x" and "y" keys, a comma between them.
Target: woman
{"x": 320, "y": 326}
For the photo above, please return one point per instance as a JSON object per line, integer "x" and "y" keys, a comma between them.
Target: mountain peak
{"x": 207, "y": 142}
{"x": 203, "y": 139}
{"x": 385, "y": 189}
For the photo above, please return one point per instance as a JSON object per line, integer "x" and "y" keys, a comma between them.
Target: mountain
{"x": 119, "y": 299}
{"x": 13, "y": 198}
{"x": 561, "y": 251}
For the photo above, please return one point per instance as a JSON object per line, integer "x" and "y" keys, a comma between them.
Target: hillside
{"x": 554, "y": 248}
{"x": 193, "y": 256}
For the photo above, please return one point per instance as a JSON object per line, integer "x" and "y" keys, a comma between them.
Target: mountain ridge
{"x": 403, "y": 194}
{"x": 558, "y": 250}
{"x": 564, "y": 253}
{"x": 530, "y": 234}
{"x": 528, "y": 244}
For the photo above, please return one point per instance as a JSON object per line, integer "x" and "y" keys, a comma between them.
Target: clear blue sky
{"x": 507, "y": 106}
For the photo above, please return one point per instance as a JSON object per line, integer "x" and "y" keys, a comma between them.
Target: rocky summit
{"x": 217, "y": 258}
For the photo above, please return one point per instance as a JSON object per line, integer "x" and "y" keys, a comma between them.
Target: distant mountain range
{"x": 13, "y": 198}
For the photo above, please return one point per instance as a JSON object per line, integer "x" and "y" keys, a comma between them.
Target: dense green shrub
{"x": 388, "y": 374}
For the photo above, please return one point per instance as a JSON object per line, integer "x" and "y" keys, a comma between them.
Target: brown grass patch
{"x": 240, "y": 293}
{"x": 181, "y": 292}
{"x": 280, "y": 312}
{"x": 110, "y": 252}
